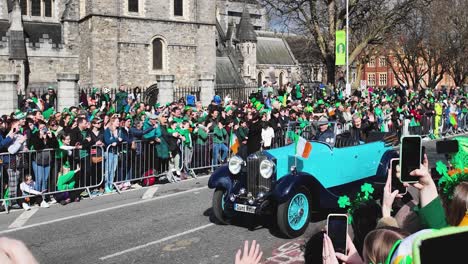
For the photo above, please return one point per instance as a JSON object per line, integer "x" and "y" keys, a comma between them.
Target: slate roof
{"x": 226, "y": 73}
{"x": 245, "y": 29}
{"x": 304, "y": 49}
{"x": 34, "y": 31}
{"x": 273, "y": 50}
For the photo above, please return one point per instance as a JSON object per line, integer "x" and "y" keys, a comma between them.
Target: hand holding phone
{"x": 389, "y": 192}
{"x": 395, "y": 183}
{"x": 337, "y": 230}
{"x": 410, "y": 157}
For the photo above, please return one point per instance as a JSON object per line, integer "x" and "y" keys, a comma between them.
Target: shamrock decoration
{"x": 363, "y": 196}
{"x": 367, "y": 189}
{"x": 344, "y": 201}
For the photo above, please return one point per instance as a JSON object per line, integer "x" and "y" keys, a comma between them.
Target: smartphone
{"x": 447, "y": 147}
{"x": 337, "y": 230}
{"x": 426, "y": 247}
{"x": 396, "y": 183}
{"x": 410, "y": 157}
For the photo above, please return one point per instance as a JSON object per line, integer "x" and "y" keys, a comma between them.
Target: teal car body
{"x": 326, "y": 174}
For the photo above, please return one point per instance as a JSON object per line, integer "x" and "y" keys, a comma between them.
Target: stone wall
{"x": 86, "y": 53}
{"x": 223, "y": 7}
{"x": 121, "y": 52}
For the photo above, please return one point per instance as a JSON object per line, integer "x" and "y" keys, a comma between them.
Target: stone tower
{"x": 247, "y": 46}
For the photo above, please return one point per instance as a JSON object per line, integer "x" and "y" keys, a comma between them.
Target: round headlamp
{"x": 267, "y": 168}
{"x": 235, "y": 164}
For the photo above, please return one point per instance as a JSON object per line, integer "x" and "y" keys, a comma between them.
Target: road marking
{"x": 23, "y": 218}
{"x": 150, "y": 192}
{"x": 102, "y": 210}
{"x": 156, "y": 242}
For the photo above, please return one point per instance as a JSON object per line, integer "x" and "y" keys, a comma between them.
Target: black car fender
{"x": 221, "y": 178}
{"x": 286, "y": 186}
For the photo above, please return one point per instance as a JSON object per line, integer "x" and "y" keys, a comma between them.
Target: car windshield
{"x": 323, "y": 131}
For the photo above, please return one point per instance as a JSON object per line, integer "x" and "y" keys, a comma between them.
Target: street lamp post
{"x": 348, "y": 85}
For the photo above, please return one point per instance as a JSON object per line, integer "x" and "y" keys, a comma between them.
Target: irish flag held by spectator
{"x": 303, "y": 147}
{"x": 234, "y": 144}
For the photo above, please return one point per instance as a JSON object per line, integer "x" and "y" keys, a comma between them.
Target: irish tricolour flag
{"x": 234, "y": 143}
{"x": 303, "y": 147}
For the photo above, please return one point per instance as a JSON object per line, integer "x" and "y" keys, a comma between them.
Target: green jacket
{"x": 66, "y": 181}
{"x": 219, "y": 135}
{"x": 242, "y": 133}
{"x": 202, "y": 137}
{"x": 298, "y": 91}
{"x": 186, "y": 133}
{"x": 432, "y": 215}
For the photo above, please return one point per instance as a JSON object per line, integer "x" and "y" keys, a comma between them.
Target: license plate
{"x": 245, "y": 208}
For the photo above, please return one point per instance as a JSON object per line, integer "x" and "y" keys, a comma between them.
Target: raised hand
{"x": 252, "y": 256}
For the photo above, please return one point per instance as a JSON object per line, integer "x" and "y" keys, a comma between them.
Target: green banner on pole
{"x": 340, "y": 47}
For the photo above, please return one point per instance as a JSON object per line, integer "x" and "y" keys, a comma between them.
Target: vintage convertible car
{"x": 279, "y": 183}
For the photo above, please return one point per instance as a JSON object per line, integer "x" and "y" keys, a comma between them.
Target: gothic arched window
{"x": 35, "y": 7}
{"x": 178, "y": 7}
{"x": 133, "y": 6}
{"x": 158, "y": 53}
{"x": 48, "y": 8}
{"x": 24, "y": 7}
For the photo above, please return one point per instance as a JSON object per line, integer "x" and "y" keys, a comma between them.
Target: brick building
{"x": 378, "y": 73}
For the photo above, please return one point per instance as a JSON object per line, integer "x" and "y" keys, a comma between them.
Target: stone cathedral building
{"x": 140, "y": 43}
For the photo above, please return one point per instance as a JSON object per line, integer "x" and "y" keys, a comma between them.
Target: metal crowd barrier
{"x": 135, "y": 162}
{"x": 126, "y": 163}
{"x": 41, "y": 170}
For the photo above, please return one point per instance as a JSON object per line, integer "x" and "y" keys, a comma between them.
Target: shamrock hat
{"x": 20, "y": 115}
{"x": 47, "y": 113}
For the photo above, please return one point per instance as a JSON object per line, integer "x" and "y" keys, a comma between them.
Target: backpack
{"x": 191, "y": 100}
{"x": 149, "y": 181}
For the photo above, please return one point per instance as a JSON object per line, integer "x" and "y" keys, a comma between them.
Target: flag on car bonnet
{"x": 303, "y": 147}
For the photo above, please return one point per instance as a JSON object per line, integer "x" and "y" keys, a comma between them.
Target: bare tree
{"x": 429, "y": 45}
{"x": 370, "y": 22}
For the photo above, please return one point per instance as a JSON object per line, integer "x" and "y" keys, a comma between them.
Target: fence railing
{"x": 182, "y": 92}
{"x": 44, "y": 173}
{"x": 36, "y": 175}
{"x": 236, "y": 92}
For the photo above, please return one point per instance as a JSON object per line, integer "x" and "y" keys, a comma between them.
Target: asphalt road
{"x": 174, "y": 226}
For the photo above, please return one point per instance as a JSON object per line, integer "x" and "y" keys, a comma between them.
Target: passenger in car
{"x": 325, "y": 134}
{"x": 360, "y": 130}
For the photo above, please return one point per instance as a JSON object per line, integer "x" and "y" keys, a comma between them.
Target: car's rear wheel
{"x": 293, "y": 216}
{"x": 219, "y": 206}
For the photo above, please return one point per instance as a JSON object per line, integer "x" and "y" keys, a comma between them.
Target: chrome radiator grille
{"x": 255, "y": 182}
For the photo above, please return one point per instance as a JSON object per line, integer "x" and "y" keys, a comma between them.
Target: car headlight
{"x": 235, "y": 164}
{"x": 267, "y": 168}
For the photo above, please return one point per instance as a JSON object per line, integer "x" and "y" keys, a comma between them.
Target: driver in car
{"x": 324, "y": 134}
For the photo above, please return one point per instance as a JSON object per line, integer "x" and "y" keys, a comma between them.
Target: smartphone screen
{"x": 410, "y": 157}
{"x": 337, "y": 225}
{"x": 429, "y": 250}
{"x": 396, "y": 183}
{"x": 447, "y": 147}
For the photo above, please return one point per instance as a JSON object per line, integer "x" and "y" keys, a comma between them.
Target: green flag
{"x": 340, "y": 47}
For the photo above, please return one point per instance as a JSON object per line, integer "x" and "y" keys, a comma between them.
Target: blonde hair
{"x": 379, "y": 242}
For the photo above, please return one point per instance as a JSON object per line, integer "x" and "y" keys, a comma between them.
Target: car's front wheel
{"x": 293, "y": 216}
{"x": 218, "y": 206}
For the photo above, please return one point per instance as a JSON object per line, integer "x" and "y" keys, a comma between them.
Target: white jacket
{"x": 267, "y": 135}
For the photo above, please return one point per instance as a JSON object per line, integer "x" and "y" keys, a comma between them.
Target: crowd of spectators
{"x": 103, "y": 141}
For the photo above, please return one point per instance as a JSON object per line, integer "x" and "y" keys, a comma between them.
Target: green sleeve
{"x": 218, "y": 132}
{"x": 64, "y": 180}
{"x": 202, "y": 134}
{"x": 432, "y": 215}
